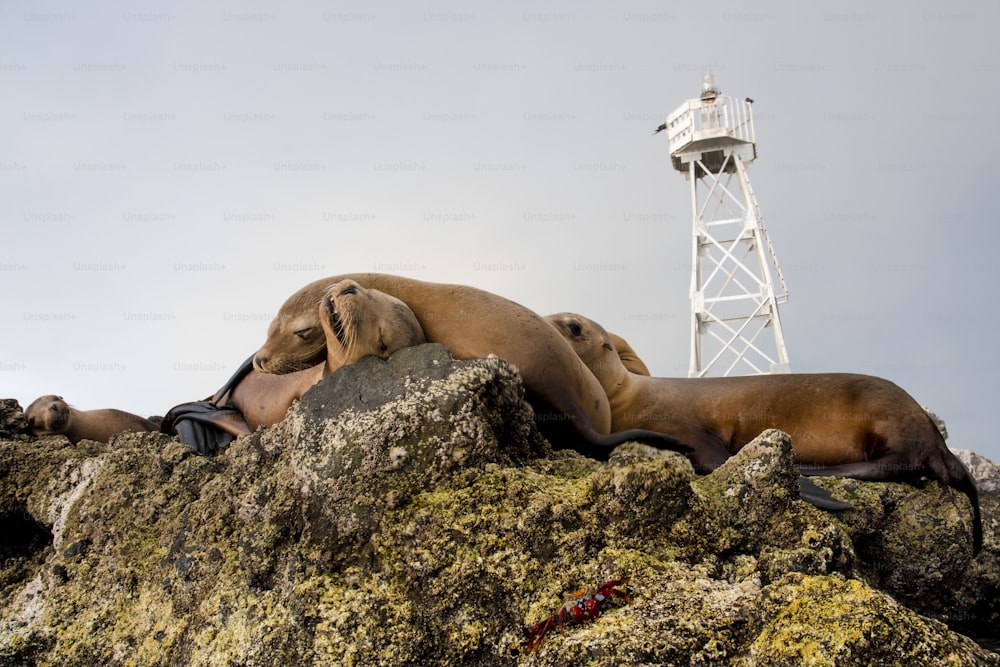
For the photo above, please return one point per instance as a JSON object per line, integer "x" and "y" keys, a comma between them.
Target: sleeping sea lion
{"x": 51, "y": 415}
{"x": 354, "y": 322}
{"x": 471, "y": 323}
{"x": 841, "y": 424}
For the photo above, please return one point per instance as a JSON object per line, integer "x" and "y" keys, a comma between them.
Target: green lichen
{"x": 836, "y": 621}
{"x": 448, "y": 554}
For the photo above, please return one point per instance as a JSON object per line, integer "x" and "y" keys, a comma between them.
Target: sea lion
{"x": 630, "y": 359}
{"x": 471, "y": 323}
{"x": 354, "y": 322}
{"x": 841, "y": 424}
{"x": 51, "y": 415}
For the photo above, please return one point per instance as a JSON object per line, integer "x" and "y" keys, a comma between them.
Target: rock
{"x": 985, "y": 472}
{"x": 12, "y": 421}
{"x": 833, "y": 621}
{"x": 408, "y": 512}
{"x": 371, "y": 436}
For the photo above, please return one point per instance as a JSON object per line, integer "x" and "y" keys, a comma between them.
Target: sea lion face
{"x": 47, "y": 415}
{"x": 589, "y": 339}
{"x": 591, "y": 343}
{"x": 293, "y": 344}
{"x": 358, "y": 322}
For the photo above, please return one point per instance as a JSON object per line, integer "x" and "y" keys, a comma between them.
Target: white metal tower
{"x": 733, "y": 295}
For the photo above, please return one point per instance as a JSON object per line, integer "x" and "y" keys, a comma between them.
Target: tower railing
{"x": 700, "y": 120}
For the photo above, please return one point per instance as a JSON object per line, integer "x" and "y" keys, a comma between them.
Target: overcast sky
{"x": 171, "y": 172}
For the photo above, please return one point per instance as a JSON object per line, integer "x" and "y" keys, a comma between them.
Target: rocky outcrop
{"x": 408, "y": 512}
{"x": 12, "y": 421}
{"x": 986, "y": 473}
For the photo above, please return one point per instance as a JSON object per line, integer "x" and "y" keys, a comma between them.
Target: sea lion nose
{"x": 350, "y": 289}
{"x": 259, "y": 361}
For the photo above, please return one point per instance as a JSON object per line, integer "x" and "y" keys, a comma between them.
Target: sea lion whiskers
{"x": 335, "y": 321}
{"x": 341, "y": 325}
{"x": 359, "y": 322}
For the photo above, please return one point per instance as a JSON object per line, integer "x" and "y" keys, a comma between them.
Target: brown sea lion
{"x": 471, "y": 323}
{"x": 51, "y": 415}
{"x": 630, "y": 359}
{"x": 354, "y": 322}
{"x": 841, "y": 424}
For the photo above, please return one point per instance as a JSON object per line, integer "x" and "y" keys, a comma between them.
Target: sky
{"x": 171, "y": 172}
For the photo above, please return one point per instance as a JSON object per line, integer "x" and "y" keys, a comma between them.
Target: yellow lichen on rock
{"x": 318, "y": 542}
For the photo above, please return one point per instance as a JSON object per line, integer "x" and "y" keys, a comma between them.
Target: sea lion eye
{"x": 575, "y": 329}
{"x": 304, "y": 333}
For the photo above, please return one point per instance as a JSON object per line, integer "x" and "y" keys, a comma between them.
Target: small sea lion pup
{"x": 51, "y": 415}
{"x": 354, "y": 322}
{"x": 472, "y": 324}
{"x": 841, "y": 424}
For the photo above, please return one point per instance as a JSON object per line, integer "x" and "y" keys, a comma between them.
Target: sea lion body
{"x": 841, "y": 424}
{"x": 51, "y": 415}
{"x": 471, "y": 323}
{"x": 354, "y": 322}
{"x": 264, "y": 399}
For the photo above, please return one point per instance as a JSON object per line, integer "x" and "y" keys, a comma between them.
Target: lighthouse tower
{"x": 735, "y": 328}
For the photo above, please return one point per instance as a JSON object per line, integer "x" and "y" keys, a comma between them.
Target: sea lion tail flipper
{"x": 967, "y": 485}
{"x": 880, "y": 470}
{"x": 953, "y": 472}
{"x": 599, "y": 445}
{"x": 887, "y": 470}
{"x": 977, "y": 518}
{"x": 658, "y": 440}
{"x": 816, "y": 495}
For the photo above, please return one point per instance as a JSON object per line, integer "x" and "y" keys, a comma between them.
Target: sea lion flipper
{"x": 244, "y": 369}
{"x": 653, "y": 438}
{"x": 204, "y": 425}
{"x": 816, "y": 495}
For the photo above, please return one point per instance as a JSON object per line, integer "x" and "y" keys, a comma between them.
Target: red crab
{"x": 585, "y": 605}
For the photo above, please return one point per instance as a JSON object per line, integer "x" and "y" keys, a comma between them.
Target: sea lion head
{"x": 359, "y": 322}
{"x": 295, "y": 338}
{"x": 592, "y": 344}
{"x": 47, "y": 415}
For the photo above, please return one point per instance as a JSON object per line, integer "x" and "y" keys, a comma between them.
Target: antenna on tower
{"x": 733, "y": 293}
